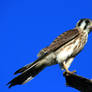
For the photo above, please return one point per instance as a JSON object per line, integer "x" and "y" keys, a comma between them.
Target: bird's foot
{"x": 69, "y": 72}
{"x": 72, "y": 72}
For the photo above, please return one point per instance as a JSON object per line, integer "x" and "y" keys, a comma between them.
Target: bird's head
{"x": 85, "y": 24}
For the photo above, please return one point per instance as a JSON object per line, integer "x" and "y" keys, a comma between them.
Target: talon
{"x": 71, "y": 72}
{"x": 74, "y": 71}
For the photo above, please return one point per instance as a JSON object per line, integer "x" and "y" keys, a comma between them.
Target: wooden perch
{"x": 78, "y": 82}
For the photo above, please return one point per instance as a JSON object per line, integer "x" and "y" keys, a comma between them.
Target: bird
{"x": 61, "y": 51}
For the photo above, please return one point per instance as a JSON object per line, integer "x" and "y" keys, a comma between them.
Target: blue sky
{"x": 27, "y": 26}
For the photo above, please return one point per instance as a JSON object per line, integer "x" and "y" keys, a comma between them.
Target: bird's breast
{"x": 82, "y": 41}
{"x": 67, "y": 50}
{"x": 72, "y": 48}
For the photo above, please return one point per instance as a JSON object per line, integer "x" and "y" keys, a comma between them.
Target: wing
{"x": 42, "y": 52}
{"x": 60, "y": 41}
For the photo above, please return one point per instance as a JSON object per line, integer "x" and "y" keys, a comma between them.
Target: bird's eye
{"x": 87, "y": 22}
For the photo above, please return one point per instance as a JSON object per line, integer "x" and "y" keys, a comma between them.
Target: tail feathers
{"x": 28, "y": 74}
{"x": 23, "y": 69}
{"x": 30, "y": 65}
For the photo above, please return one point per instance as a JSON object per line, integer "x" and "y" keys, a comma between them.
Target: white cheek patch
{"x": 83, "y": 24}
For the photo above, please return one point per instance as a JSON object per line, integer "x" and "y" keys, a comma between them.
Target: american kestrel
{"x": 61, "y": 51}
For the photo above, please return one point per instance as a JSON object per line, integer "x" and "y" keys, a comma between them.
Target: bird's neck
{"x": 83, "y": 36}
{"x": 86, "y": 31}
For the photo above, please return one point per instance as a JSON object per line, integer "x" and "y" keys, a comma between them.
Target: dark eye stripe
{"x": 85, "y": 27}
{"x": 87, "y": 23}
{"x": 80, "y": 22}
